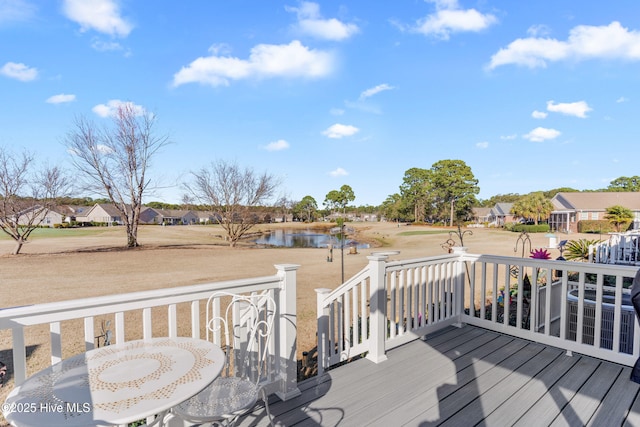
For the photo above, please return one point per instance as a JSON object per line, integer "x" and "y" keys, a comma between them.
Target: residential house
{"x": 71, "y": 212}
{"x": 38, "y": 216}
{"x": 501, "y": 214}
{"x": 207, "y": 217}
{"x": 168, "y": 216}
{"x": 282, "y": 217}
{"x": 481, "y": 215}
{"x": 103, "y": 213}
{"x": 571, "y": 208}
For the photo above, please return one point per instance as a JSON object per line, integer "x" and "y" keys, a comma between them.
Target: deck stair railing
{"x": 620, "y": 248}
{"x": 580, "y": 307}
{"x": 132, "y": 319}
{"x": 386, "y": 305}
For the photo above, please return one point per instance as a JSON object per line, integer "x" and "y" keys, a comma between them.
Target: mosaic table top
{"x": 117, "y": 384}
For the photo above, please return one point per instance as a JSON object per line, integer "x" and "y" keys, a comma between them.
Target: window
{"x": 594, "y": 215}
{"x": 584, "y": 215}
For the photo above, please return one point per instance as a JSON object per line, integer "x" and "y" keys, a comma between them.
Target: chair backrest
{"x": 242, "y": 325}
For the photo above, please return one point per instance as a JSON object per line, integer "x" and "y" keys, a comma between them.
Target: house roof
{"x": 595, "y": 201}
{"x": 72, "y": 210}
{"x": 108, "y": 208}
{"x": 172, "y": 213}
{"x": 479, "y": 212}
{"x": 503, "y": 208}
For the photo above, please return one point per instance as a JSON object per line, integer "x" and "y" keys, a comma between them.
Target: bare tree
{"x": 231, "y": 193}
{"x": 113, "y": 161}
{"x": 27, "y": 194}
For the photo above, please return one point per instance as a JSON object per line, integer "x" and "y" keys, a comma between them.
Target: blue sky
{"x": 532, "y": 95}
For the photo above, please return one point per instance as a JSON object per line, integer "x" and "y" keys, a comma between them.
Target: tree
{"x": 550, "y": 194}
{"x": 338, "y": 199}
{"x": 533, "y": 206}
{"x": 394, "y": 208}
{"x": 307, "y": 208}
{"x": 283, "y": 205}
{"x": 415, "y": 190}
{"x": 499, "y": 198}
{"x": 454, "y": 189}
{"x": 625, "y": 184}
{"x": 232, "y": 194}
{"x": 114, "y": 161}
{"x": 27, "y": 194}
{"x": 618, "y": 216}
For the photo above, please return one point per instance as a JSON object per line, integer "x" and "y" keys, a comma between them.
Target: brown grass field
{"x": 80, "y": 264}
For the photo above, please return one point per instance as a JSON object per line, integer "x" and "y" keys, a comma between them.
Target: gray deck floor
{"x": 465, "y": 377}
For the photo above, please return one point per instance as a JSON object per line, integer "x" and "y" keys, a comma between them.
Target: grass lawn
{"x": 60, "y": 232}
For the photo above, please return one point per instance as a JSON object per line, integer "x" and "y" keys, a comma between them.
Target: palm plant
{"x": 619, "y": 216}
{"x": 578, "y": 249}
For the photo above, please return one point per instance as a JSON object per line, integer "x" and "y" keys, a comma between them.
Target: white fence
{"x": 133, "y": 312}
{"x": 571, "y": 305}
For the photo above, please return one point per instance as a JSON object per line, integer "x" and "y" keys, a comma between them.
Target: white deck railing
{"x": 620, "y": 248}
{"x": 570, "y": 305}
{"x": 133, "y": 312}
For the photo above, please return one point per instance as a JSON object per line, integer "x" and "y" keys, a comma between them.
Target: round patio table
{"x": 117, "y": 384}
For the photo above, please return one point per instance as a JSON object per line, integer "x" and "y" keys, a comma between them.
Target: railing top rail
{"x": 608, "y": 269}
{"x": 346, "y": 286}
{"x": 407, "y": 263}
{"x": 69, "y": 309}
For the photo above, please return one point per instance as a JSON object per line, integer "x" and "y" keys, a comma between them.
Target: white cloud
{"x": 311, "y": 23}
{"x": 338, "y": 172}
{"x": 585, "y": 42}
{"x": 265, "y": 61}
{"x": 278, "y": 145}
{"x": 16, "y": 11}
{"x": 19, "y": 71}
{"x": 102, "y": 46}
{"x": 539, "y": 114}
{"x": 509, "y": 137}
{"x": 482, "y": 145}
{"x": 540, "y": 134}
{"x": 621, "y": 100}
{"x": 338, "y": 131}
{"x": 336, "y": 111}
{"x": 103, "y": 149}
{"x": 538, "y": 30}
{"x": 110, "y": 108}
{"x": 375, "y": 90}
{"x": 577, "y": 109}
{"x": 449, "y": 18}
{"x": 61, "y": 99}
{"x": 99, "y": 15}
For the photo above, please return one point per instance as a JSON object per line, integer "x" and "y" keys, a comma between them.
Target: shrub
{"x": 595, "y": 226}
{"x": 578, "y": 249}
{"x": 540, "y": 228}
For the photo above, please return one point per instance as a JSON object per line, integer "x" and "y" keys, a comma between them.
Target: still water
{"x": 305, "y": 239}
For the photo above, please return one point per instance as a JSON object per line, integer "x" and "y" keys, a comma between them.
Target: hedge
{"x": 595, "y": 226}
{"x": 540, "y": 228}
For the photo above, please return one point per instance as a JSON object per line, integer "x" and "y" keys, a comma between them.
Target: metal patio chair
{"x": 245, "y": 325}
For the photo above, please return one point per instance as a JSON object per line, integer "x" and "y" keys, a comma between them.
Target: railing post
{"x": 377, "y": 308}
{"x": 458, "y": 294}
{"x": 323, "y": 329}
{"x": 287, "y": 327}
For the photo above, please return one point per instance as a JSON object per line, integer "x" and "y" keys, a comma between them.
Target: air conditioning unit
{"x": 606, "y": 326}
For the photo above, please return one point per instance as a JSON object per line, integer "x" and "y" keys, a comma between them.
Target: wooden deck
{"x": 464, "y": 377}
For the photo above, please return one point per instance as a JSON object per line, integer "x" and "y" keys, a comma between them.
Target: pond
{"x": 289, "y": 238}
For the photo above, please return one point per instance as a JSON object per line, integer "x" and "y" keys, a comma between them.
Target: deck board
{"x": 464, "y": 376}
